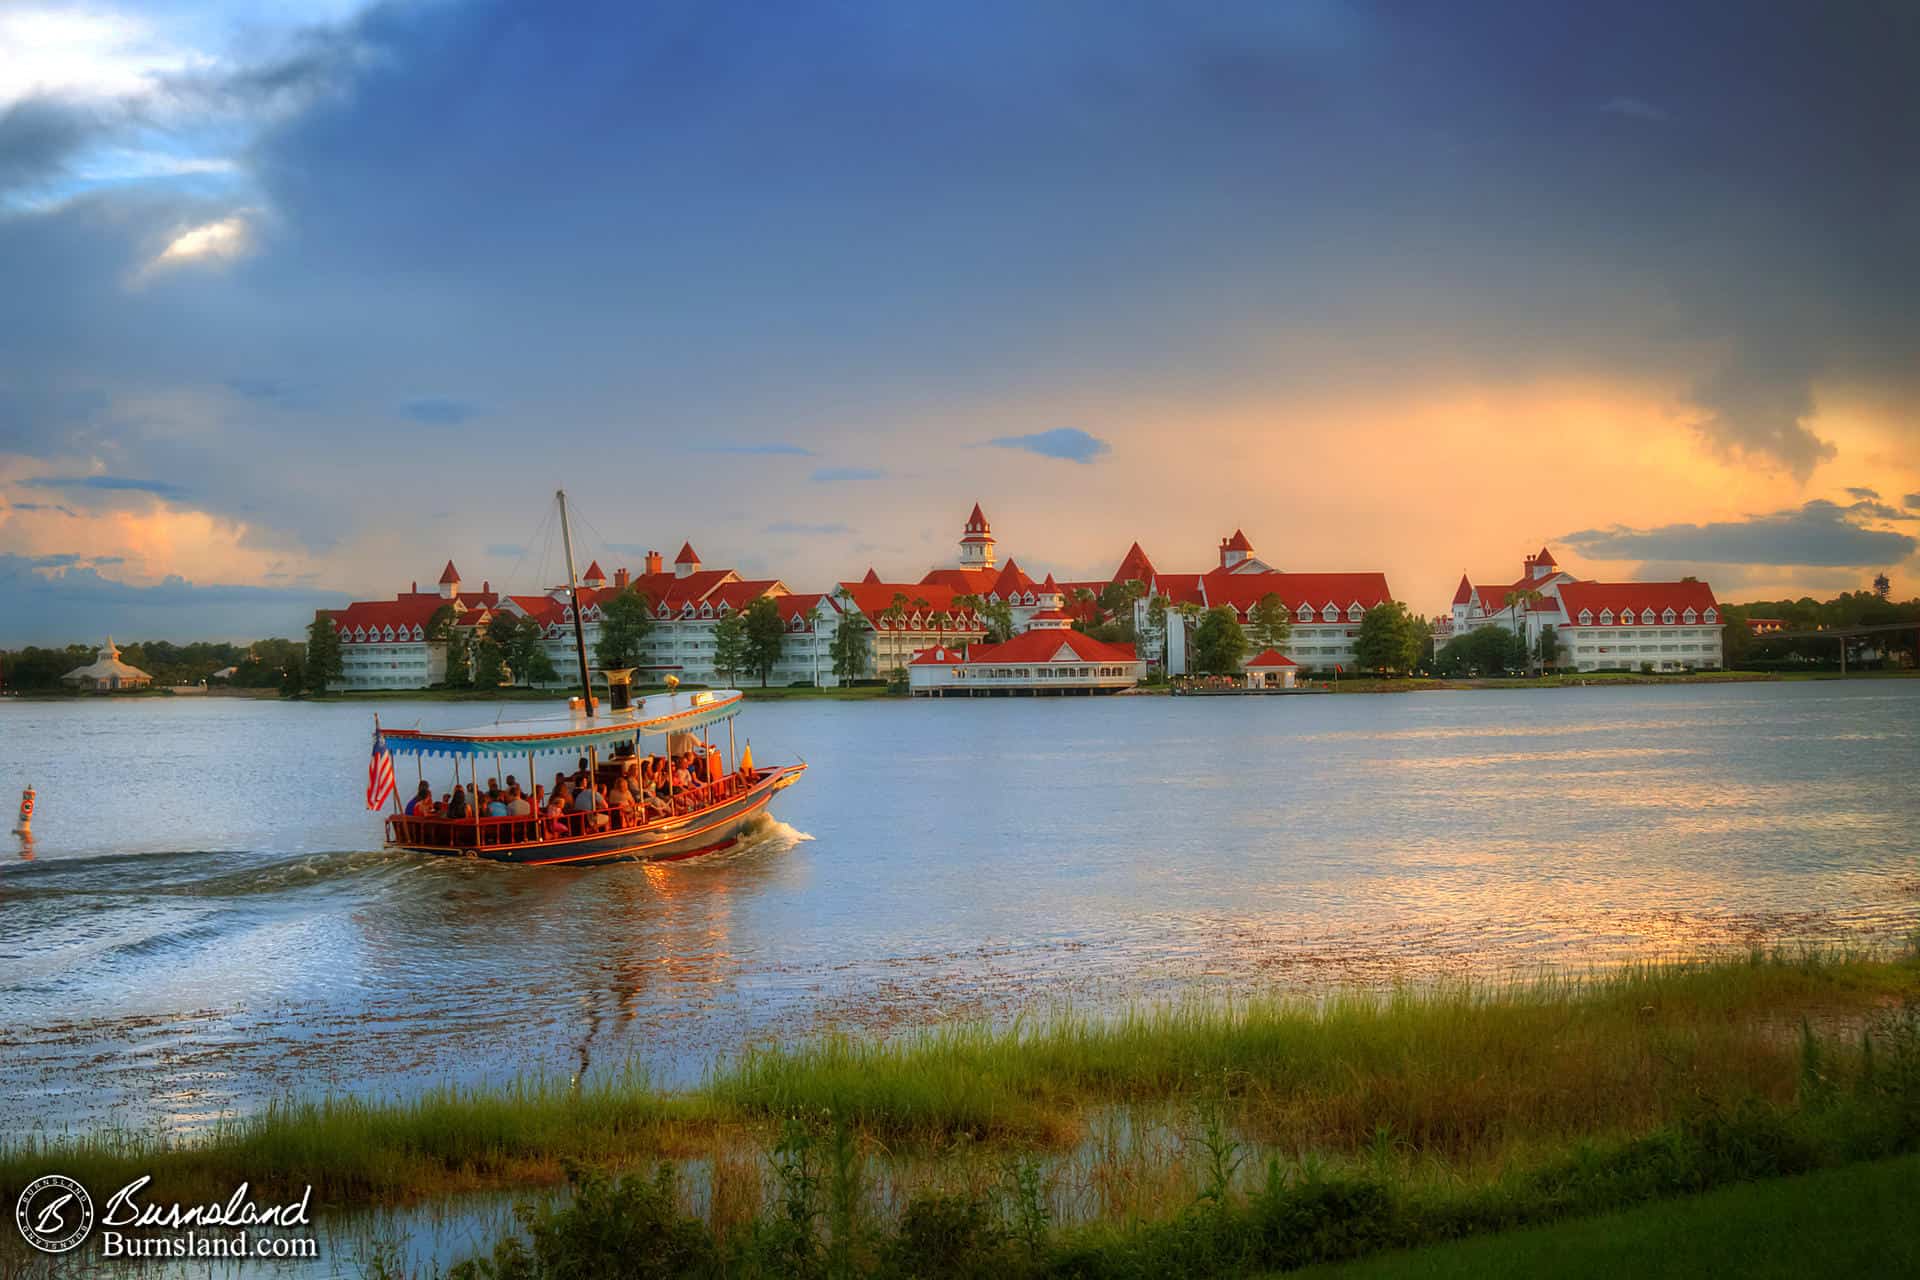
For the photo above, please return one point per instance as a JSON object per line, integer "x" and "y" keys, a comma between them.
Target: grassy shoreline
{"x": 1470, "y": 1076}
{"x": 1200, "y": 1137}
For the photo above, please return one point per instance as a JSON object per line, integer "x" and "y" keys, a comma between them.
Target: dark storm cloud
{"x": 757, "y": 222}
{"x": 106, "y": 484}
{"x": 438, "y": 411}
{"x": 38, "y": 136}
{"x": 1068, "y": 443}
{"x": 1819, "y": 533}
{"x": 74, "y": 602}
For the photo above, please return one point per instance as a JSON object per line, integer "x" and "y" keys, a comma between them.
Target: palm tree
{"x": 1517, "y": 597}
{"x": 895, "y": 613}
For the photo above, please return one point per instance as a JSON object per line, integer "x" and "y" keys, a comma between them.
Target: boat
{"x": 701, "y": 818}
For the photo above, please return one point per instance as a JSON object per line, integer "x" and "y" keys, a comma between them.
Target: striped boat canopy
{"x": 658, "y": 713}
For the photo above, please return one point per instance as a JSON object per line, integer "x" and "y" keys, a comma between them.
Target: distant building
{"x": 1324, "y": 609}
{"x": 384, "y": 643}
{"x": 1766, "y": 626}
{"x": 1049, "y": 658}
{"x": 1670, "y": 626}
{"x": 1270, "y": 669}
{"x": 106, "y": 673}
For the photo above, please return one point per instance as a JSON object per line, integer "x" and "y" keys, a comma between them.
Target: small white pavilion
{"x": 107, "y": 674}
{"x": 1270, "y": 669}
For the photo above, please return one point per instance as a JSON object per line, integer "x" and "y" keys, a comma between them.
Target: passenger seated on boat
{"x": 620, "y": 801}
{"x": 517, "y": 805}
{"x": 421, "y": 806}
{"x": 497, "y": 802}
{"x": 457, "y": 805}
{"x": 557, "y": 815}
{"x": 588, "y": 800}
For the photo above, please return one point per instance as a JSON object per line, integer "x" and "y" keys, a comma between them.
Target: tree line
{"x": 262, "y": 664}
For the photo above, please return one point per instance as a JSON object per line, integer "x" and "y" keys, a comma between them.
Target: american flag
{"x": 379, "y": 773}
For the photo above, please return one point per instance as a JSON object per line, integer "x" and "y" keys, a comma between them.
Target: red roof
{"x": 1238, "y": 542}
{"x": 1050, "y": 586}
{"x": 871, "y": 575}
{"x": 687, "y": 555}
{"x": 1597, "y": 597}
{"x": 1270, "y": 658}
{"x": 1052, "y": 615}
{"x": 1182, "y": 588}
{"x": 1134, "y": 565}
{"x": 873, "y": 599}
{"x": 1546, "y": 557}
{"x": 975, "y": 582}
{"x": 1046, "y": 646}
{"x": 593, "y": 573}
{"x": 938, "y": 656}
{"x": 1464, "y": 595}
{"x": 449, "y": 574}
{"x": 977, "y": 519}
{"x": 1296, "y": 590}
{"x": 1012, "y": 580}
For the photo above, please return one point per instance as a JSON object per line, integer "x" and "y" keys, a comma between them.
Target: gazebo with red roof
{"x": 1270, "y": 669}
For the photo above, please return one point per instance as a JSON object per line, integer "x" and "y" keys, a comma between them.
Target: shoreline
{"x": 1450, "y": 1110}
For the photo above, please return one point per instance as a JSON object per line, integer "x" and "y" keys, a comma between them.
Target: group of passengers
{"x": 629, "y": 791}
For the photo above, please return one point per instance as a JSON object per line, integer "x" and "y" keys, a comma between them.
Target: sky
{"x": 303, "y": 299}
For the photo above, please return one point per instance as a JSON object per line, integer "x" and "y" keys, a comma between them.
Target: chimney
{"x": 486, "y": 588}
{"x": 414, "y": 589}
{"x": 620, "y": 579}
{"x": 655, "y": 565}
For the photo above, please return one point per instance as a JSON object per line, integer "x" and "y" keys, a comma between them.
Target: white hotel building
{"x": 1599, "y": 626}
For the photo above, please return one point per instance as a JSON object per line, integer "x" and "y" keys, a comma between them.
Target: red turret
{"x": 687, "y": 555}
{"x": 449, "y": 574}
{"x": 871, "y": 576}
{"x": 1465, "y": 593}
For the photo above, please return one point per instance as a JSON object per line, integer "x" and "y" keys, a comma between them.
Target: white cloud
{"x": 220, "y": 241}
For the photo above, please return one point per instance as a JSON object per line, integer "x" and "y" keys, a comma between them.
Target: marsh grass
{"x": 1456, "y": 1080}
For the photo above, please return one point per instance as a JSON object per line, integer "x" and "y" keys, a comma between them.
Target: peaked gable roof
{"x": 687, "y": 555}
{"x": 1238, "y": 542}
{"x": 1049, "y": 645}
{"x": 1464, "y": 593}
{"x": 1270, "y": 658}
{"x": 449, "y": 574}
{"x": 1134, "y": 565}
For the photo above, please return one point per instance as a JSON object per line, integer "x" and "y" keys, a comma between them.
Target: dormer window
{"x": 1690, "y": 615}
{"x": 1708, "y": 616}
{"x": 1330, "y": 612}
{"x": 1586, "y": 617}
{"x": 1606, "y": 617}
{"x": 1667, "y": 616}
{"x": 706, "y": 611}
{"x": 1306, "y": 613}
{"x": 1354, "y": 612}
{"x": 664, "y": 612}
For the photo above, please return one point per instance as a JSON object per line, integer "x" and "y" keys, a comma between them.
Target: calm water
{"x": 204, "y": 921}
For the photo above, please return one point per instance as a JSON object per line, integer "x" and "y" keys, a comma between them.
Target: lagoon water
{"x": 205, "y": 922}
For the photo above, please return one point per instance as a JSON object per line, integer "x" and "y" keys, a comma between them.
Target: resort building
{"x": 1269, "y": 669}
{"x": 384, "y": 644}
{"x": 1598, "y": 626}
{"x": 1324, "y": 609}
{"x": 1048, "y": 658}
{"x": 106, "y": 673}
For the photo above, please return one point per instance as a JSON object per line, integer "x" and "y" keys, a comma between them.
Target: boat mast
{"x": 573, "y": 593}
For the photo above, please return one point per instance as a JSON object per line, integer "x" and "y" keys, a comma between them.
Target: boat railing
{"x": 480, "y": 833}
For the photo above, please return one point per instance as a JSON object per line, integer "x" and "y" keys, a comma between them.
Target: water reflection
{"x": 216, "y": 931}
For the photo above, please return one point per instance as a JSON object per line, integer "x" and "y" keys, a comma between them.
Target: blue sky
{"x": 309, "y": 298}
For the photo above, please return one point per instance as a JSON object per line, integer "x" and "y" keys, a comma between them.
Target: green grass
{"x": 1471, "y": 1077}
{"x": 1861, "y": 1220}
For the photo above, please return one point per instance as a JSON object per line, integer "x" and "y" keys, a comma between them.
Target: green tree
{"x": 489, "y": 664}
{"x": 730, "y": 646}
{"x": 1548, "y": 649}
{"x": 440, "y": 625}
{"x": 849, "y": 650}
{"x": 1272, "y": 623}
{"x": 1390, "y": 639}
{"x": 1485, "y": 651}
{"x": 894, "y": 614}
{"x": 323, "y": 664}
{"x": 625, "y": 622}
{"x": 766, "y": 636}
{"x": 522, "y": 646}
{"x": 1218, "y": 642}
{"x": 459, "y": 659}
